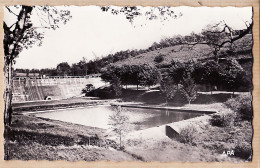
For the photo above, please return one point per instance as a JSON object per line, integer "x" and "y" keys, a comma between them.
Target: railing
{"x": 60, "y": 77}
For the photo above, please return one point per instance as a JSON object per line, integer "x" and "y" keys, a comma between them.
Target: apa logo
{"x": 228, "y": 153}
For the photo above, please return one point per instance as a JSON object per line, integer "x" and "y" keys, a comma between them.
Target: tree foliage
{"x": 144, "y": 74}
{"x": 219, "y": 35}
{"x": 63, "y": 69}
{"x": 119, "y": 123}
{"x": 23, "y": 33}
{"x": 159, "y": 58}
{"x": 178, "y": 70}
{"x": 116, "y": 85}
{"x": 161, "y": 13}
{"x": 168, "y": 88}
{"x": 189, "y": 88}
{"x": 208, "y": 72}
{"x": 233, "y": 75}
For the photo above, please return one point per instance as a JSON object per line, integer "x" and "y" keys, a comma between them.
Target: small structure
{"x": 47, "y": 98}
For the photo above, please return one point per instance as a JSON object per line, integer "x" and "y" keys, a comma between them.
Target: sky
{"x": 92, "y": 33}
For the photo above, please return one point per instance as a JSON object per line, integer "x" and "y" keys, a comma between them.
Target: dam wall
{"x": 26, "y": 89}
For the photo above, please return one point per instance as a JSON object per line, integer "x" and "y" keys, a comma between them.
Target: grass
{"x": 155, "y": 97}
{"x": 200, "y": 52}
{"x": 242, "y": 106}
{"x": 226, "y": 132}
{"x": 32, "y": 138}
{"x": 221, "y": 139}
{"x": 36, "y": 151}
{"x": 222, "y": 120}
{"x": 187, "y": 135}
{"x": 183, "y": 53}
{"x": 200, "y": 141}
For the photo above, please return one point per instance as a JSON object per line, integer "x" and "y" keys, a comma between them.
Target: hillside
{"x": 240, "y": 49}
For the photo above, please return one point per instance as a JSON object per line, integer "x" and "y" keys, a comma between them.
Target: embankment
{"x": 32, "y": 138}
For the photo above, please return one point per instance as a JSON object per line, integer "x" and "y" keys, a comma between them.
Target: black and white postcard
{"x": 128, "y": 83}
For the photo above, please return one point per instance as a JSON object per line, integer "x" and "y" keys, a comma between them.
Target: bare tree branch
{"x": 10, "y": 10}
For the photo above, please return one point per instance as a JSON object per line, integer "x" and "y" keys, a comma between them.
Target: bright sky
{"x": 92, "y": 32}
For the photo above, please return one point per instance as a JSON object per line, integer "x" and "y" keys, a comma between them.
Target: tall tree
{"x": 178, "y": 70}
{"x": 23, "y": 33}
{"x": 233, "y": 75}
{"x": 148, "y": 75}
{"x": 63, "y": 69}
{"x": 168, "y": 89}
{"x": 189, "y": 88}
{"x": 116, "y": 85}
{"x": 218, "y": 35}
{"x": 207, "y": 73}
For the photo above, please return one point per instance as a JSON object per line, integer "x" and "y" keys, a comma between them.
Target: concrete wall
{"x": 58, "y": 88}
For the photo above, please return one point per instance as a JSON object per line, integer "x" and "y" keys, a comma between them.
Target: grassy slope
{"x": 34, "y": 138}
{"x": 55, "y": 104}
{"x": 209, "y": 142}
{"x": 185, "y": 54}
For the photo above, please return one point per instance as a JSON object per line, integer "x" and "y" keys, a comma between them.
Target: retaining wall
{"x": 58, "y": 88}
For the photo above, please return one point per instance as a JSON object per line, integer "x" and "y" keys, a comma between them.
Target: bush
{"x": 221, "y": 120}
{"x": 102, "y": 93}
{"x": 188, "y": 135}
{"x": 242, "y": 106}
{"x": 159, "y": 58}
{"x": 244, "y": 151}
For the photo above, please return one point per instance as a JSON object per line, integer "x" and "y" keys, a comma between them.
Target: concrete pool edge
{"x": 156, "y": 131}
{"x": 159, "y": 132}
{"x": 164, "y": 108}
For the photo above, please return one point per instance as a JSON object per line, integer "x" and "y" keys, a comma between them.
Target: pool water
{"x": 98, "y": 116}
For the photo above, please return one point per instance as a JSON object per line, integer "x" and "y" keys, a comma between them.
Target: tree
{"x": 207, "y": 73}
{"x": 24, "y": 34}
{"x": 161, "y": 13}
{"x": 189, "y": 88}
{"x": 110, "y": 71}
{"x": 178, "y": 70}
{"x": 116, "y": 85}
{"x": 80, "y": 68}
{"x": 63, "y": 69}
{"x": 168, "y": 89}
{"x": 134, "y": 75}
{"x": 76, "y": 70}
{"x": 217, "y": 36}
{"x": 233, "y": 75}
{"x": 125, "y": 75}
{"x": 119, "y": 123}
{"x": 148, "y": 75}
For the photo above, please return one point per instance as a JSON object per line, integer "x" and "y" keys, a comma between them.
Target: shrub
{"x": 242, "y": 106}
{"x": 159, "y": 58}
{"x": 103, "y": 93}
{"x": 189, "y": 89}
{"x": 221, "y": 120}
{"x": 188, "y": 135}
{"x": 243, "y": 150}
